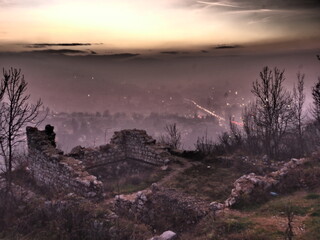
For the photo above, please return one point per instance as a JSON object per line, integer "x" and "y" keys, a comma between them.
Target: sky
{"x": 157, "y": 56}
{"x": 147, "y": 55}
{"x": 165, "y": 24}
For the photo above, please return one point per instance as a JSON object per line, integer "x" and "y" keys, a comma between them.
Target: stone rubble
{"x": 167, "y": 235}
{"x": 147, "y": 206}
{"x": 246, "y": 185}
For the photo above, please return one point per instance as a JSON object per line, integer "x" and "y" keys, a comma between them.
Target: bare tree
{"x": 297, "y": 107}
{"x": 16, "y": 113}
{"x": 172, "y": 137}
{"x": 252, "y": 132}
{"x": 316, "y": 101}
{"x": 273, "y": 108}
{"x": 236, "y": 135}
{"x": 205, "y": 145}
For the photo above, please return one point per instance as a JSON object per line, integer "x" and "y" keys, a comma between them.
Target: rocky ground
{"x": 179, "y": 206}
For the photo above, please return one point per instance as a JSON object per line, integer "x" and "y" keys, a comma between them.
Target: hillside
{"x": 95, "y": 194}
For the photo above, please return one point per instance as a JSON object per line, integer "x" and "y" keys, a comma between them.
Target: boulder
{"x": 167, "y": 235}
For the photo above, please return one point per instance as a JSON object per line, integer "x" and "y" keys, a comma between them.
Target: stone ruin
{"x": 70, "y": 173}
{"x": 148, "y": 205}
{"x": 126, "y": 145}
{"x": 157, "y": 206}
{"x": 248, "y": 185}
{"x": 162, "y": 208}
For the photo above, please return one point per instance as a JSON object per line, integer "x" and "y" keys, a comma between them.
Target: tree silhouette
{"x": 298, "y": 101}
{"x": 16, "y": 113}
{"x": 273, "y": 109}
{"x": 316, "y": 101}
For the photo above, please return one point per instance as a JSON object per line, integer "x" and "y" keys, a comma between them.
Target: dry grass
{"x": 211, "y": 181}
{"x": 268, "y": 222}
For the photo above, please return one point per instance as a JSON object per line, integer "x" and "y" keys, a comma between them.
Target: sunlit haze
{"x": 157, "y": 24}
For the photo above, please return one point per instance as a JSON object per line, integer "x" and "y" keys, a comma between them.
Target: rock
{"x": 91, "y": 194}
{"x": 265, "y": 158}
{"x": 216, "y": 206}
{"x": 77, "y": 151}
{"x": 154, "y": 187}
{"x": 164, "y": 168}
{"x": 167, "y": 235}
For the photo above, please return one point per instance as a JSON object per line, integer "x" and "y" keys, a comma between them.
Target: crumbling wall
{"x": 99, "y": 156}
{"x": 52, "y": 169}
{"x": 162, "y": 208}
{"x": 125, "y": 145}
{"x": 249, "y": 185}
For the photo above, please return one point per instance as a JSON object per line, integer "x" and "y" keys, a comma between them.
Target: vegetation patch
{"x": 312, "y": 196}
{"x": 132, "y": 183}
{"x": 209, "y": 181}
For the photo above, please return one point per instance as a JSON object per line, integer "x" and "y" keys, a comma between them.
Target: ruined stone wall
{"x": 95, "y": 157}
{"x": 125, "y": 145}
{"x": 162, "y": 208}
{"x": 138, "y": 145}
{"x": 52, "y": 169}
{"x": 247, "y": 186}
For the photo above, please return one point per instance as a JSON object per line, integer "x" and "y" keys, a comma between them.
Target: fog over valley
{"x": 91, "y": 96}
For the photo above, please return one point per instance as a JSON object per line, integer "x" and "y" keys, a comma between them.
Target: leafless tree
{"x": 236, "y": 134}
{"x": 205, "y": 145}
{"x": 273, "y": 108}
{"x": 16, "y": 113}
{"x": 251, "y": 130}
{"x": 316, "y": 101}
{"x": 172, "y": 137}
{"x": 297, "y": 107}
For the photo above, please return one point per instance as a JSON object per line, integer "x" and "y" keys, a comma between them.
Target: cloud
{"x": 43, "y": 45}
{"x": 170, "y": 52}
{"x": 120, "y": 55}
{"x": 285, "y": 17}
{"x": 227, "y": 46}
{"x": 220, "y": 4}
{"x": 58, "y": 51}
{"x": 14, "y": 3}
{"x": 265, "y": 4}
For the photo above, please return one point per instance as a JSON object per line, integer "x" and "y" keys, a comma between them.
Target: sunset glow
{"x": 146, "y": 24}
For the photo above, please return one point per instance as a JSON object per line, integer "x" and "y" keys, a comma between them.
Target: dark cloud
{"x": 73, "y": 53}
{"x": 170, "y": 52}
{"x": 121, "y": 55}
{"x": 227, "y": 46}
{"x": 43, "y": 45}
{"x": 59, "y": 51}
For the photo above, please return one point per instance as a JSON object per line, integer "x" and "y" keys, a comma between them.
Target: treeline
{"x": 275, "y": 123}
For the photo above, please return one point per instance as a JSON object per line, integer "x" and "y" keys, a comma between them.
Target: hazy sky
{"x": 140, "y": 55}
{"x": 142, "y": 24}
